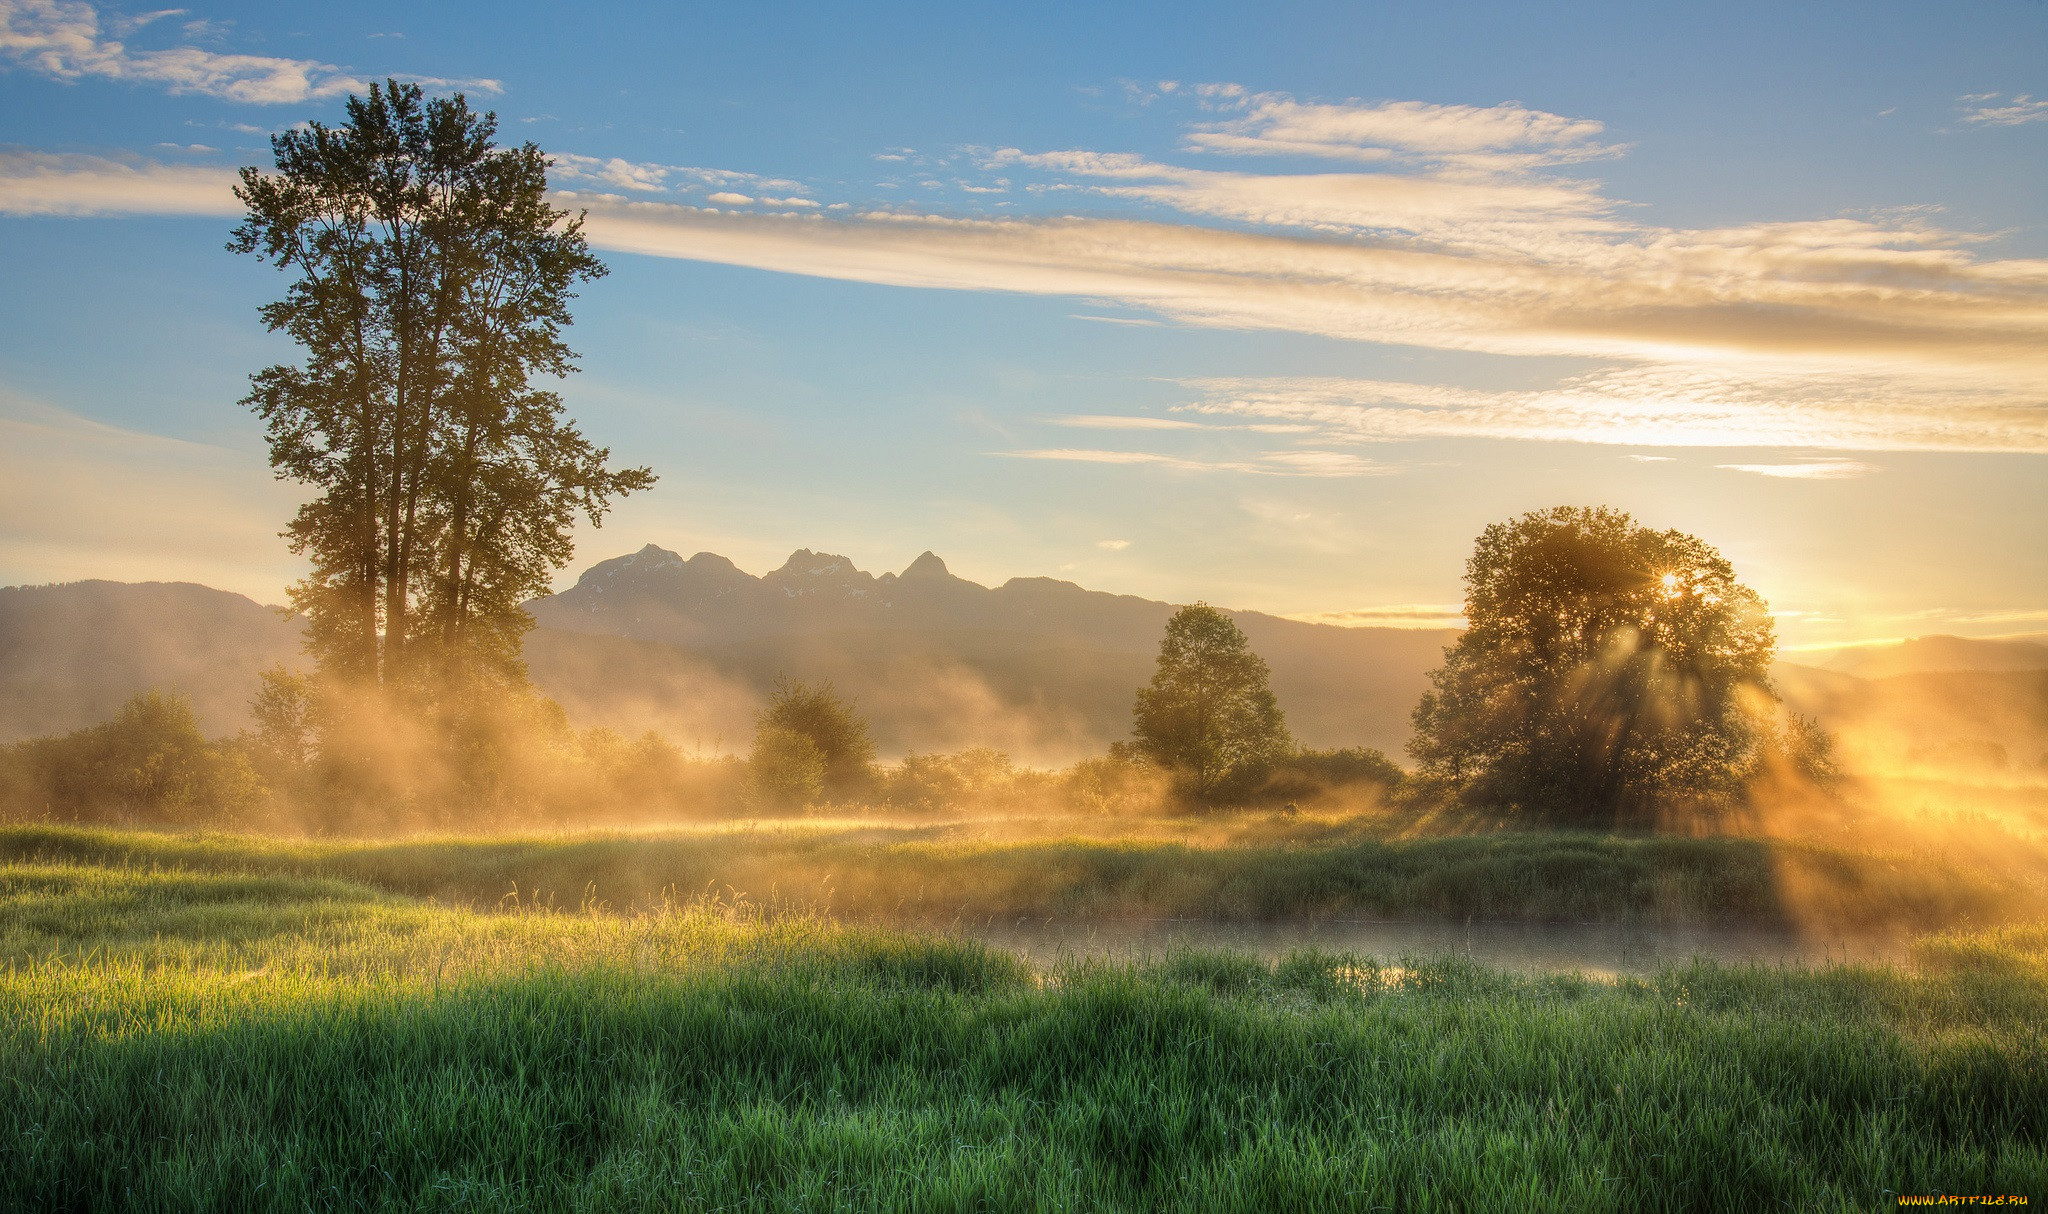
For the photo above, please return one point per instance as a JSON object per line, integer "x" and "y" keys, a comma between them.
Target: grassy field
{"x": 938, "y": 875}
{"x": 206, "y": 1035}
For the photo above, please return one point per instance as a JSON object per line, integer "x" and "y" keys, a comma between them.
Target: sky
{"x": 1274, "y": 306}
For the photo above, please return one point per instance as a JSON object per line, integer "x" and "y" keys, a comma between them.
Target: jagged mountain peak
{"x": 816, "y": 564}
{"x": 927, "y": 565}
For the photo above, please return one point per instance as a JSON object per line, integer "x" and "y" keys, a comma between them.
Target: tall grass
{"x": 178, "y": 1040}
{"x": 870, "y": 873}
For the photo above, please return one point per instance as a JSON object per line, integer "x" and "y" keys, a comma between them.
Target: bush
{"x": 1308, "y": 776}
{"x": 149, "y": 763}
{"x": 833, "y": 728}
{"x": 786, "y": 770}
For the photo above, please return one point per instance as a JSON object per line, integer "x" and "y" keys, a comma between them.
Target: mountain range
{"x": 1041, "y": 668}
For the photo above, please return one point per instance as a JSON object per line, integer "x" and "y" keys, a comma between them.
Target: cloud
{"x": 1651, "y": 459}
{"x": 63, "y": 39}
{"x": 1113, "y": 545}
{"x": 1815, "y": 309}
{"x": 69, "y": 183}
{"x": 1673, "y": 405}
{"x": 1872, "y": 333}
{"x": 613, "y": 171}
{"x": 1271, "y": 463}
{"x": 647, "y": 177}
{"x": 1500, "y": 136}
{"x": 1992, "y": 109}
{"x": 1464, "y": 209}
{"x": 1137, "y": 321}
{"x": 1812, "y": 470}
{"x": 1399, "y": 615}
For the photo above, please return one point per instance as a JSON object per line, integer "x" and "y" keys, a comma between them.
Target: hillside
{"x": 71, "y": 653}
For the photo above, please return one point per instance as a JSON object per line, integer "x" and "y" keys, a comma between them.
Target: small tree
{"x": 832, "y": 727}
{"x": 1209, "y": 716}
{"x": 1609, "y": 673}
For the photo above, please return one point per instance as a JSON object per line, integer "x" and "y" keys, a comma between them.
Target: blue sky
{"x": 1275, "y": 306}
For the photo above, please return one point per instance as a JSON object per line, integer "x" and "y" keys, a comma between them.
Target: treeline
{"x": 306, "y": 768}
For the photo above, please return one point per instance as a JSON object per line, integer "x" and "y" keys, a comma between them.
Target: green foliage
{"x": 174, "y": 1041}
{"x": 1309, "y": 776}
{"x": 1610, "y": 673}
{"x": 833, "y": 728}
{"x": 1209, "y": 716}
{"x": 431, "y": 281}
{"x": 785, "y": 771}
{"x": 975, "y": 779}
{"x": 148, "y": 763}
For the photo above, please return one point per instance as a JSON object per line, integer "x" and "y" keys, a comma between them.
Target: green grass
{"x": 917, "y": 875}
{"x": 173, "y": 1038}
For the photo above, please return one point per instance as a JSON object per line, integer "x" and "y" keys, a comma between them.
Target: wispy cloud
{"x": 1870, "y": 333}
{"x": 1996, "y": 109}
{"x": 1108, "y": 421}
{"x": 647, "y": 177}
{"x": 1137, "y": 321}
{"x": 68, "y": 183}
{"x": 1491, "y": 137}
{"x": 1113, "y": 545}
{"x": 1808, "y": 470}
{"x": 1673, "y": 405}
{"x": 1271, "y": 463}
{"x": 1398, "y": 615}
{"x": 64, "y": 39}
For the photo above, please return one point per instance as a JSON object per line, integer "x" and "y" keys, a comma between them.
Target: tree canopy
{"x": 431, "y": 281}
{"x": 837, "y": 737}
{"x": 1209, "y": 715}
{"x": 1609, "y": 672}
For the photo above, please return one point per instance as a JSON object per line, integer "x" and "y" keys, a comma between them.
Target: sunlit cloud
{"x": 1400, "y": 615}
{"x": 1105, "y": 421}
{"x": 1808, "y": 470}
{"x": 1676, "y": 405}
{"x": 1113, "y": 545}
{"x": 1994, "y": 109}
{"x": 648, "y": 177}
{"x": 1464, "y": 208}
{"x": 67, "y": 183}
{"x": 1500, "y": 136}
{"x": 1137, "y": 321}
{"x": 64, "y": 39}
{"x": 1271, "y": 463}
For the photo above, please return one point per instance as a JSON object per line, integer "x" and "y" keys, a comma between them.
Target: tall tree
{"x": 1209, "y": 715}
{"x": 431, "y": 281}
{"x": 1609, "y": 673}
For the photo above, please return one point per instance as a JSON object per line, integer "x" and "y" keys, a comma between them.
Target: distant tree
{"x": 1209, "y": 716}
{"x": 1609, "y": 673}
{"x": 785, "y": 770}
{"x": 431, "y": 281}
{"x": 833, "y": 728}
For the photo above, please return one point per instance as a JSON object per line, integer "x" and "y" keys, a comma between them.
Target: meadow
{"x": 1234, "y": 867}
{"x": 216, "y": 1022}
